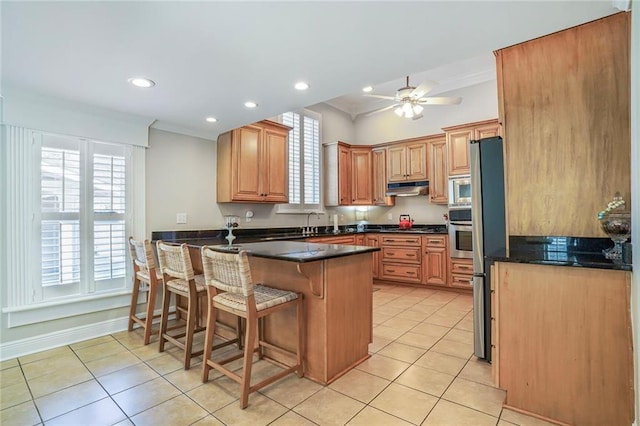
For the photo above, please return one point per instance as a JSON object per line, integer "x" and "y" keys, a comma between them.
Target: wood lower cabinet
{"x": 438, "y": 190}
{"x": 372, "y": 240}
{"x": 458, "y": 138}
{"x": 435, "y": 260}
{"x": 400, "y": 258}
{"x": 379, "y": 172}
{"x": 252, "y": 164}
{"x": 563, "y": 342}
{"x": 407, "y": 161}
{"x": 461, "y": 273}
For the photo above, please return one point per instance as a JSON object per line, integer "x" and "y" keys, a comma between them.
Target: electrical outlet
{"x": 390, "y": 216}
{"x": 181, "y": 218}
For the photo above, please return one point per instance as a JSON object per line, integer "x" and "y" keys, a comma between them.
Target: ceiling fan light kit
{"x": 409, "y": 100}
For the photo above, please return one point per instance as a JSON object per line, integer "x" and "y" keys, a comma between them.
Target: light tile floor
{"x": 421, "y": 372}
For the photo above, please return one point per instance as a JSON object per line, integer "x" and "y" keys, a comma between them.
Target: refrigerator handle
{"x": 476, "y": 208}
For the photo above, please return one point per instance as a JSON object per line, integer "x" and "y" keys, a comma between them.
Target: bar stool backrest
{"x": 142, "y": 255}
{"x": 175, "y": 261}
{"x": 229, "y": 272}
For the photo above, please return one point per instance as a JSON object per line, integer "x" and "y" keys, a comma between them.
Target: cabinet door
{"x": 396, "y": 163}
{"x": 379, "y": 172}
{"x": 416, "y": 161}
{"x": 436, "y": 260}
{"x": 372, "y": 241}
{"x": 344, "y": 175}
{"x": 274, "y": 176}
{"x": 438, "y": 191}
{"x": 487, "y": 131}
{"x": 361, "y": 190}
{"x": 246, "y": 154}
{"x": 458, "y": 146}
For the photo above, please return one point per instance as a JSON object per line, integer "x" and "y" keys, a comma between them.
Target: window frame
{"x": 302, "y": 208}
{"x": 27, "y": 302}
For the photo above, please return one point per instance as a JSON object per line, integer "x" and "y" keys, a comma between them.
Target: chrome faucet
{"x": 311, "y": 229}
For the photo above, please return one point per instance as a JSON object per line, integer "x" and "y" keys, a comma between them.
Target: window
{"x": 304, "y": 162}
{"x": 82, "y": 217}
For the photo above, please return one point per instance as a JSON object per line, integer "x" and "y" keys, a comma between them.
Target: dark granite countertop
{"x": 296, "y": 251}
{"x": 561, "y": 251}
{"x": 251, "y": 235}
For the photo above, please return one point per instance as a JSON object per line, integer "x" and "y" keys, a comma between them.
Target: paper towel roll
{"x": 335, "y": 222}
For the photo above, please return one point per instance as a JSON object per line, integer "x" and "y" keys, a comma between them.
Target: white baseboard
{"x": 22, "y": 347}
{"x": 56, "y": 339}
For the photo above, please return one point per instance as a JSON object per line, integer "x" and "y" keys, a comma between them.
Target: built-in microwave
{"x": 460, "y": 191}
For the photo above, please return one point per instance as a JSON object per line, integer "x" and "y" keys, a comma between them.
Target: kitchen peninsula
{"x": 337, "y": 285}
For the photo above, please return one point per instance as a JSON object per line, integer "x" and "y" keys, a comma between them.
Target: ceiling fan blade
{"x": 375, "y": 111}
{"x": 418, "y": 116}
{"x": 439, "y": 100}
{"x": 424, "y": 88}
{"x": 392, "y": 98}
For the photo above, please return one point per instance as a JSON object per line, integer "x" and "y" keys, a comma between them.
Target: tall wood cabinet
{"x": 348, "y": 177}
{"x": 407, "y": 161}
{"x": 252, "y": 164}
{"x": 458, "y": 138}
{"x": 437, "y": 149}
{"x": 566, "y": 108}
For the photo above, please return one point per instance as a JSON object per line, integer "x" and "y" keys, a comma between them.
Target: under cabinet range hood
{"x": 407, "y": 189}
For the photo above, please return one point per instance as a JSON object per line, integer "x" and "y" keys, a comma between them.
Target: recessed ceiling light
{"x": 367, "y": 89}
{"x": 141, "y": 82}
{"x": 301, "y": 85}
{"x": 211, "y": 119}
{"x": 250, "y": 104}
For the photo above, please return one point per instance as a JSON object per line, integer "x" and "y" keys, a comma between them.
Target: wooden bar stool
{"x": 146, "y": 278}
{"x": 180, "y": 280}
{"x": 230, "y": 273}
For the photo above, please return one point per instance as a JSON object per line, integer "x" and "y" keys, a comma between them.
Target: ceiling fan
{"x": 409, "y": 100}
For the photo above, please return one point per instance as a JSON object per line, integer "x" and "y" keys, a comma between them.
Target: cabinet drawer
{"x": 333, "y": 240}
{"x": 408, "y": 273}
{"x": 401, "y": 254}
{"x": 461, "y": 266}
{"x": 400, "y": 240}
{"x": 460, "y": 280}
{"x": 435, "y": 241}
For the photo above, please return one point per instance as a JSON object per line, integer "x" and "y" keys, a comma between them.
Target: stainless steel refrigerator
{"x": 488, "y": 232}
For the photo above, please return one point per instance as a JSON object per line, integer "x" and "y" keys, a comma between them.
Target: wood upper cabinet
{"x": 566, "y": 108}
{"x": 252, "y": 164}
{"x": 458, "y": 138}
{"x": 347, "y": 174}
{"x": 379, "y": 172}
{"x": 438, "y": 191}
{"x": 361, "y": 176}
{"x": 407, "y": 161}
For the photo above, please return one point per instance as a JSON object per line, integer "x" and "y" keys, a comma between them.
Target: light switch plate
{"x": 390, "y": 216}
{"x": 181, "y": 218}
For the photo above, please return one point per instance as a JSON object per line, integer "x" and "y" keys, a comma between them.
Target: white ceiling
{"x": 208, "y": 58}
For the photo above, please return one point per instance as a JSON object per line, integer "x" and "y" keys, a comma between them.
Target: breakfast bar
{"x": 336, "y": 282}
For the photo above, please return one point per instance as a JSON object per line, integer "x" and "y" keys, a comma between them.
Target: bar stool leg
{"x": 134, "y": 301}
{"x": 151, "y": 303}
{"x": 192, "y": 307}
{"x": 251, "y": 331}
{"x": 166, "y": 300}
